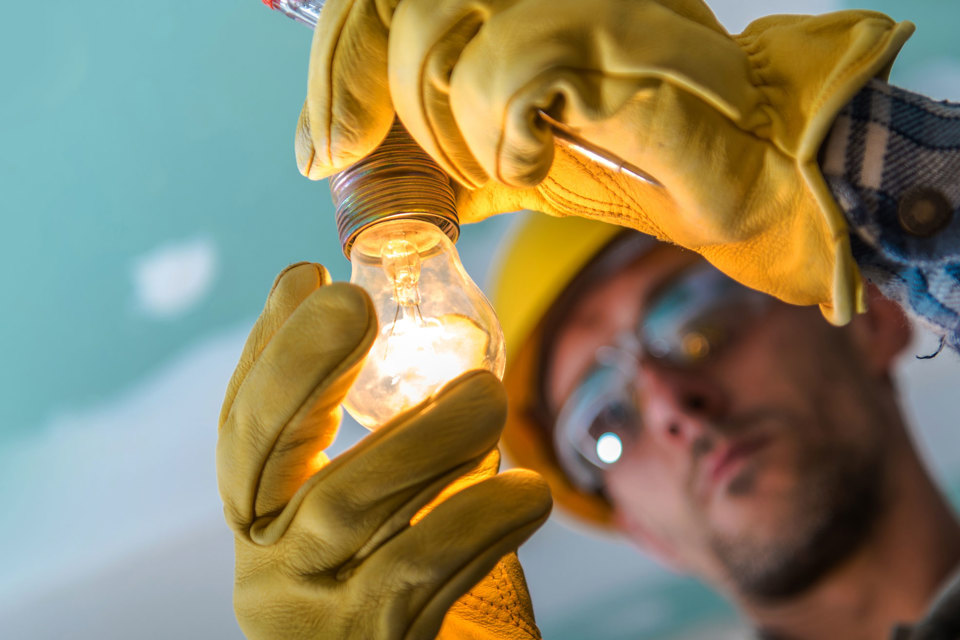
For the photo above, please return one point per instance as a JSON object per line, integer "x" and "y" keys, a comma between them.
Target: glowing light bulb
{"x": 435, "y": 323}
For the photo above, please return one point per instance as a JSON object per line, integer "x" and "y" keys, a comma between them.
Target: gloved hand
{"x": 731, "y": 125}
{"x": 326, "y": 548}
{"x": 348, "y": 111}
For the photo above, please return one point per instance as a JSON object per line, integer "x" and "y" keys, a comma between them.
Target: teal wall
{"x": 126, "y": 127}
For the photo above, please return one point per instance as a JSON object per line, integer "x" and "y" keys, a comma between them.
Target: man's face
{"x": 761, "y": 467}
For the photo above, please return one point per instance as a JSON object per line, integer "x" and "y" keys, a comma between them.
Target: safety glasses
{"x": 686, "y": 322}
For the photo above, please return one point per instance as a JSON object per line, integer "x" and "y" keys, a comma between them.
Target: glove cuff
{"x": 497, "y": 608}
{"x": 807, "y": 68}
{"x": 800, "y": 97}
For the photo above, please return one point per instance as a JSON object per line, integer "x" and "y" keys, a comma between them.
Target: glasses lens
{"x": 615, "y": 425}
{"x": 598, "y": 420}
{"x": 696, "y": 315}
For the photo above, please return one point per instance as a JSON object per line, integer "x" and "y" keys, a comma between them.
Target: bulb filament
{"x": 401, "y": 262}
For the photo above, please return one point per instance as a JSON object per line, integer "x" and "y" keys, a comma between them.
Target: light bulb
{"x": 435, "y": 323}
{"x": 397, "y": 221}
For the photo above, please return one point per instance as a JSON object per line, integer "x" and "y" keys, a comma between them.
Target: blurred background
{"x": 150, "y": 197}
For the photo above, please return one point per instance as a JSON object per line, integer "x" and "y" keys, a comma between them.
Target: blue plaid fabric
{"x": 883, "y": 144}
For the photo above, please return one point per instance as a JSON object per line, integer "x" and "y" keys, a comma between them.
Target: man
{"x": 732, "y": 436}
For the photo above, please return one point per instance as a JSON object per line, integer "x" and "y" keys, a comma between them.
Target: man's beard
{"x": 836, "y": 509}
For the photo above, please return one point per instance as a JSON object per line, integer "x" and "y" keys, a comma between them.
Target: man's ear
{"x": 881, "y": 333}
{"x": 647, "y": 541}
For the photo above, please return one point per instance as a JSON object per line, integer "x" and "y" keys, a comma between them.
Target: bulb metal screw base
{"x": 399, "y": 180}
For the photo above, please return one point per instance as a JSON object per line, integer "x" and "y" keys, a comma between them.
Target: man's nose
{"x": 679, "y": 404}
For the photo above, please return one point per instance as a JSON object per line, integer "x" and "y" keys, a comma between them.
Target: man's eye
{"x": 619, "y": 417}
{"x": 615, "y": 425}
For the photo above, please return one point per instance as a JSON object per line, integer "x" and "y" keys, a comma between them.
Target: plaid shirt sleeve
{"x": 892, "y": 161}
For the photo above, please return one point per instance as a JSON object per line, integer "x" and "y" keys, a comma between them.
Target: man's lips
{"x": 726, "y": 459}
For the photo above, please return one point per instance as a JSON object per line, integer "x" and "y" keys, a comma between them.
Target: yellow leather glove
{"x": 326, "y": 548}
{"x": 347, "y": 112}
{"x": 731, "y": 125}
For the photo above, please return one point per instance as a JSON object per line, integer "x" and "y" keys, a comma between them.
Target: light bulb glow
{"x": 418, "y": 355}
{"x": 434, "y": 322}
{"x": 401, "y": 263}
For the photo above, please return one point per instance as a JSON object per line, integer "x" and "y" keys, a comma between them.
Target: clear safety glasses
{"x": 689, "y": 320}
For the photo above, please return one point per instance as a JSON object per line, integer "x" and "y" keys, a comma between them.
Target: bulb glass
{"x": 434, "y": 322}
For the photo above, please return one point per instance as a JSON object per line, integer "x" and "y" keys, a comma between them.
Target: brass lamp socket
{"x": 397, "y": 181}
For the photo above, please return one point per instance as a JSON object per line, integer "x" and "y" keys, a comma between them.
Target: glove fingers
{"x": 494, "y": 84}
{"x": 348, "y": 111}
{"x": 455, "y": 546}
{"x": 305, "y": 149}
{"x": 378, "y": 485}
{"x": 287, "y": 409}
{"x": 486, "y": 468}
{"x": 422, "y": 501}
{"x": 290, "y": 288}
{"x": 426, "y": 39}
{"x": 581, "y": 67}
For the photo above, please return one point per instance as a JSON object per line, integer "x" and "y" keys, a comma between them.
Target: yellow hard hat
{"x": 538, "y": 263}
